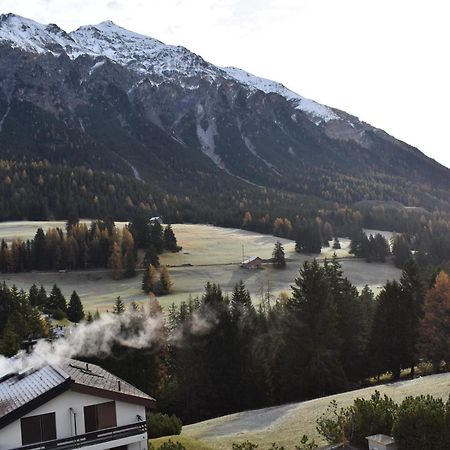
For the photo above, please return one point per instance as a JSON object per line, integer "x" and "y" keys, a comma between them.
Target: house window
{"x": 98, "y": 417}
{"x": 38, "y": 428}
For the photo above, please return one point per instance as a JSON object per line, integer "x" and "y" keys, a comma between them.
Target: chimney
{"x": 119, "y": 386}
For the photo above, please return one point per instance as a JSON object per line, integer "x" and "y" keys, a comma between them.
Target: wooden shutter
{"x": 106, "y": 415}
{"x": 38, "y": 428}
{"x": 48, "y": 427}
{"x": 90, "y": 418}
{"x": 31, "y": 430}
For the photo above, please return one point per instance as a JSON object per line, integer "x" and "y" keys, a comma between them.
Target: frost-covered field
{"x": 287, "y": 424}
{"x": 213, "y": 253}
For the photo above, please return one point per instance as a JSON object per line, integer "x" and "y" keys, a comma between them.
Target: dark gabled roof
{"x": 21, "y": 393}
{"x": 25, "y": 391}
{"x": 91, "y": 378}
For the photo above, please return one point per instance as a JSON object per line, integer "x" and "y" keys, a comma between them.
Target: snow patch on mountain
{"x": 321, "y": 112}
{"x": 141, "y": 54}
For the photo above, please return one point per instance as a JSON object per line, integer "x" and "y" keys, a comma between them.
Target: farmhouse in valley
{"x": 71, "y": 405}
{"x": 252, "y": 262}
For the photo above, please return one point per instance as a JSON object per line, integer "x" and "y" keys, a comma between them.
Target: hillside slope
{"x": 287, "y": 424}
{"x": 113, "y": 99}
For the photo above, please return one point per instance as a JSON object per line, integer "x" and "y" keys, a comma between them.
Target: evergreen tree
{"x": 413, "y": 290}
{"x": 336, "y": 244}
{"x": 240, "y": 300}
{"x": 151, "y": 257}
{"x": 56, "y": 301}
{"x": 311, "y": 364}
{"x": 170, "y": 241}
{"x": 278, "y": 258}
{"x": 157, "y": 236}
{"x": 140, "y": 229}
{"x": 401, "y": 250}
{"x": 389, "y": 338}
{"x": 75, "y": 311}
{"x": 41, "y": 300}
{"x": 33, "y": 296}
{"x": 119, "y": 306}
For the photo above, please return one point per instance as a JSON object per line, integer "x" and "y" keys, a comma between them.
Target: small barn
{"x": 252, "y": 262}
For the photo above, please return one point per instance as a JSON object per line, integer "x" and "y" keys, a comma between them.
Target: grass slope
{"x": 286, "y": 424}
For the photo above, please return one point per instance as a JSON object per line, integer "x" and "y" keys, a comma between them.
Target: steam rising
{"x": 134, "y": 328}
{"x": 141, "y": 328}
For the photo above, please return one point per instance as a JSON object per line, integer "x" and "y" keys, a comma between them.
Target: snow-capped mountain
{"x": 137, "y": 52}
{"x": 111, "y": 98}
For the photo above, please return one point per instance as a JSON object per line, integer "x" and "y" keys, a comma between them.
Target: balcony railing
{"x": 92, "y": 438}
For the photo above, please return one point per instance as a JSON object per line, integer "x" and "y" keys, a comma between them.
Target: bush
{"x": 159, "y": 425}
{"x": 169, "y": 445}
{"x": 373, "y": 416}
{"x": 423, "y": 422}
{"x": 363, "y": 418}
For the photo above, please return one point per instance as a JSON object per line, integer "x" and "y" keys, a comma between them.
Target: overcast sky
{"x": 385, "y": 61}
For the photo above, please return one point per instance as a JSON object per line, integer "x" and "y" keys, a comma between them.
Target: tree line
{"x": 99, "y": 245}
{"x": 225, "y": 354}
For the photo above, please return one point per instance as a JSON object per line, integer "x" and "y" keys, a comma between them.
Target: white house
{"x": 71, "y": 405}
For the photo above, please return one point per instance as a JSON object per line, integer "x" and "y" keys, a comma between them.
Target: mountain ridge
{"x": 104, "y": 96}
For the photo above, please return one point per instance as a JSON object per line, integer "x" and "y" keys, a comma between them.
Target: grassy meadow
{"x": 209, "y": 254}
{"x": 286, "y": 424}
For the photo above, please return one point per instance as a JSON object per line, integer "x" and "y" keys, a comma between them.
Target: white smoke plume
{"x": 133, "y": 328}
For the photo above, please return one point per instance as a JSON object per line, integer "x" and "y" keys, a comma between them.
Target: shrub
{"x": 422, "y": 422}
{"x": 159, "y": 424}
{"x": 363, "y": 418}
{"x": 169, "y": 445}
{"x": 247, "y": 445}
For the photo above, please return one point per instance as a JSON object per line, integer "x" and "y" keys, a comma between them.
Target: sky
{"x": 384, "y": 61}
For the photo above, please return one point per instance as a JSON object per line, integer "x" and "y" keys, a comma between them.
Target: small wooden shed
{"x": 252, "y": 262}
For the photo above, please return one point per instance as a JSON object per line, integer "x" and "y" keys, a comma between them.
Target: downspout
{"x": 74, "y": 425}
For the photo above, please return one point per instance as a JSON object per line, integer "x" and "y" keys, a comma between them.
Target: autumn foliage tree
{"x": 434, "y": 337}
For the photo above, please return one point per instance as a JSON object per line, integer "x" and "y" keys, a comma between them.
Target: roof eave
{"x": 148, "y": 402}
{"x": 35, "y": 403}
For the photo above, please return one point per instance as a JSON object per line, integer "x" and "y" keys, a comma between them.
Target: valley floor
{"x": 209, "y": 254}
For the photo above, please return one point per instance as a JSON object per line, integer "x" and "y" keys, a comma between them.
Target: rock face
{"x": 112, "y": 99}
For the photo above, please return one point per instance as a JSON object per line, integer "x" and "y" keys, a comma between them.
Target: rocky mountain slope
{"x": 112, "y": 99}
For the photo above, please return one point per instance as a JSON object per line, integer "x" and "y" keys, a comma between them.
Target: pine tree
{"x": 170, "y": 241}
{"x": 336, "y": 244}
{"x": 389, "y": 340}
{"x": 156, "y": 237}
{"x": 33, "y": 295}
{"x": 240, "y": 300}
{"x": 75, "y": 311}
{"x": 278, "y": 258}
{"x": 119, "y": 306}
{"x": 311, "y": 363}
{"x": 42, "y": 297}
{"x": 151, "y": 257}
{"x": 56, "y": 302}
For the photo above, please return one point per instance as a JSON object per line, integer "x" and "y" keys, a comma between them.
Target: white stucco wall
{"x": 10, "y": 436}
